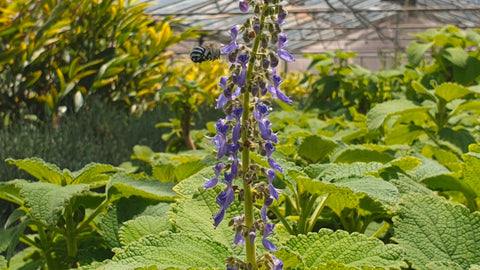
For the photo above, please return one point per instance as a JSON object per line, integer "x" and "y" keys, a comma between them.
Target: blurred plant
{"x": 192, "y": 86}
{"x": 58, "y": 53}
{"x": 340, "y": 85}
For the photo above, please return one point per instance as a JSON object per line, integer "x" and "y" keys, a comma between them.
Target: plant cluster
{"x": 384, "y": 176}
{"x": 56, "y": 54}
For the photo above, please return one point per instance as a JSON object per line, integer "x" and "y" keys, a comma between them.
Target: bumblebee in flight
{"x": 206, "y": 52}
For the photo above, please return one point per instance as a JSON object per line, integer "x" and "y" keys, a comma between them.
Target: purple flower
{"x": 222, "y": 99}
{"x": 243, "y": 4}
{"x": 281, "y": 16}
{"x": 242, "y": 60}
{"x": 284, "y": 54}
{"x": 268, "y": 230}
{"x": 264, "y": 126}
{"x": 220, "y": 139}
{"x": 213, "y": 182}
{"x": 232, "y": 45}
{"x": 237, "y": 113}
{"x": 271, "y": 188}
{"x": 269, "y": 148}
{"x": 252, "y": 236}
{"x": 277, "y": 263}
{"x": 234, "y": 152}
{"x": 224, "y": 199}
{"x": 261, "y": 110}
{"x": 275, "y": 90}
{"x": 239, "y": 239}
{"x": 266, "y": 203}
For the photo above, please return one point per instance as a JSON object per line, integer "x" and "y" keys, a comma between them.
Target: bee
{"x": 208, "y": 51}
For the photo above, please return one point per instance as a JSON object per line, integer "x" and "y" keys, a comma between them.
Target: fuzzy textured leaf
{"x": 165, "y": 250}
{"x": 471, "y": 171}
{"x": 358, "y": 154}
{"x": 135, "y": 229}
{"x": 193, "y": 217}
{"x": 381, "y": 112}
{"x": 38, "y": 168}
{"x": 450, "y": 91}
{"x": 315, "y": 148}
{"x": 93, "y": 173}
{"x": 430, "y": 229}
{"x": 189, "y": 186}
{"x": 456, "y": 55}
{"x": 124, "y": 186}
{"x": 416, "y": 52}
{"x": 46, "y": 201}
{"x": 353, "y": 250}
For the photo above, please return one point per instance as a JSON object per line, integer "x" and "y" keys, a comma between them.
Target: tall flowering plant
{"x": 253, "y": 54}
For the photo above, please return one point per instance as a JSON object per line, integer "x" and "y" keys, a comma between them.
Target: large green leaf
{"x": 190, "y": 186}
{"x": 450, "y": 91}
{"x": 334, "y": 171}
{"x": 372, "y": 186}
{"x": 430, "y": 229}
{"x": 38, "y": 168}
{"x": 194, "y": 217}
{"x": 93, "y": 173}
{"x": 456, "y": 55}
{"x": 46, "y": 201}
{"x": 416, "y": 52}
{"x": 353, "y": 250}
{"x": 419, "y": 88}
{"x": 403, "y": 134}
{"x": 360, "y": 154}
{"x": 465, "y": 75}
{"x": 315, "y": 148}
{"x": 382, "y": 111}
{"x": 135, "y": 229}
{"x": 123, "y": 186}
{"x": 168, "y": 250}
{"x": 471, "y": 171}
{"x": 339, "y": 197}
{"x": 3, "y": 263}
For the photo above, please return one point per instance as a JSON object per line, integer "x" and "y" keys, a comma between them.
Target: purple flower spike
{"x": 268, "y": 230}
{"x": 213, "y": 182}
{"x": 243, "y": 4}
{"x": 284, "y": 54}
{"x": 232, "y": 45}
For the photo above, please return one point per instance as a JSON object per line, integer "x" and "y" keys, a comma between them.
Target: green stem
{"x": 282, "y": 219}
{"x": 46, "y": 248}
{"x": 70, "y": 233}
{"x": 84, "y": 224}
{"x": 28, "y": 241}
{"x": 248, "y": 203}
{"x": 316, "y": 214}
{"x": 306, "y": 210}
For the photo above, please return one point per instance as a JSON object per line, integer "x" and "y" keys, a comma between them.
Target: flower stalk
{"x": 246, "y": 91}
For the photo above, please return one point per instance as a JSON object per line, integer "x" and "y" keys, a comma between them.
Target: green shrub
{"x": 57, "y": 53}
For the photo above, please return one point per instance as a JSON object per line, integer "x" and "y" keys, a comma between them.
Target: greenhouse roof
{"x": 315, "y": 21}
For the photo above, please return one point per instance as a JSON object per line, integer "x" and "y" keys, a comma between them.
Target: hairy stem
{"x": 248, "y": 204}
